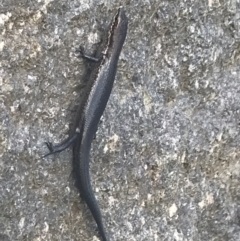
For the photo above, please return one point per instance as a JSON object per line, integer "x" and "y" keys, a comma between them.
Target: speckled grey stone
{"x": 166, "y": 161}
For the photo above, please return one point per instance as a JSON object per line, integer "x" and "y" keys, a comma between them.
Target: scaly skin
{"x": 90, "y": 112}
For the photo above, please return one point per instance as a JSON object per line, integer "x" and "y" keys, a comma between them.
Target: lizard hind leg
{"x": 61, "y": 146}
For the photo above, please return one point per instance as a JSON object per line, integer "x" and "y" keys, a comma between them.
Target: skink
{"x": 90, "y": 111}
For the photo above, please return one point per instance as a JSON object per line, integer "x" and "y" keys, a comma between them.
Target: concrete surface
{"x": 165, "y": 164}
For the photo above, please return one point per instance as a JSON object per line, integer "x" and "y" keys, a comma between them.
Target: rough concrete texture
{"x": 165, "y": 164}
